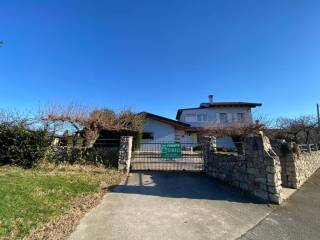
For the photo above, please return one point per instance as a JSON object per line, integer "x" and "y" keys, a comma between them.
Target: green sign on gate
{"x": 170, "y": 150}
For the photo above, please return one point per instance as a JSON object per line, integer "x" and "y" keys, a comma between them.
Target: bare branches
{"x": 234, "y": 130}
{"x": 303, "y": 129}
{"x": 74, "y": 114}
{"x": 89, "y": 123}
{"x": 15, "y": 118}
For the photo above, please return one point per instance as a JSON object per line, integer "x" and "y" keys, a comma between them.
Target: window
{"x": 190, "y": 118}
{"x": 233, "y": 115}
{"x": 202, "y": 117}
{"x": 147, "y": 135}
{"x": 240, "y": 117}
{"x": 223, "y": 117}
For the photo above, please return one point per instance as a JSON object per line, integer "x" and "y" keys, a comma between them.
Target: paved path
{"x": 299, "y": 218}
{"x": 168, "y": 206}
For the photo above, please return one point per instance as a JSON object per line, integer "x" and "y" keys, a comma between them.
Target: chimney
{"x": 210, "y": 98}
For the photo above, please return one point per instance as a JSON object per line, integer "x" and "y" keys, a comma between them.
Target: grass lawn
{"x": 31, "y": 198}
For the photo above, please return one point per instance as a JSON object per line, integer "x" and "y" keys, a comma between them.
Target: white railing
{"x": 308, "y": 147}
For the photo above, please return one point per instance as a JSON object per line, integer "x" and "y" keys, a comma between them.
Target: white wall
{"x": 213, "y": 115}
{"x": 162, "y": 132}
{"x": 186, "y": 138}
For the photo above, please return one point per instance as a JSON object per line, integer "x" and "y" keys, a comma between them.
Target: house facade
{"x": 186, "y": 128}
{"x": 213, "y": 114}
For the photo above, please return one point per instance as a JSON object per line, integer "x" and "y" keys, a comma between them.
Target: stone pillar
{"x": 125, "y": 153}
{"x": 206, "y": 153}
{"x": 263, "y": 169}
{"x": 273, "y": 169}
{"x": 209, "y": 147}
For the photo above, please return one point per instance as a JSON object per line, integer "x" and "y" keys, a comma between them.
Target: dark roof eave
{"x": 175, "y": 123}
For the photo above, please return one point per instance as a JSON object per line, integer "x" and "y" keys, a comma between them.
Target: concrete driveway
{"x": 176, "y": 205}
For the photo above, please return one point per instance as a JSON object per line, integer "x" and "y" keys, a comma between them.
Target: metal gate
{"x": 168, "y": 156}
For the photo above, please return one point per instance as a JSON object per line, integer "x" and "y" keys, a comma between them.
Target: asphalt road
{"x": 296, "y": 219}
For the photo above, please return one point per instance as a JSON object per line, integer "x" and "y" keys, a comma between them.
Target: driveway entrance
{"x": 168, "y": 156}
{"x": 171, "y": 205}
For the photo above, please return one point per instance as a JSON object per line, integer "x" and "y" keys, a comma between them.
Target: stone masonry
{"x": 257, "y": 172}
{"x": 296, "y": 166}
{"x": 125, "y": 153}
{"x": 288, "y": 172}
{"x": 261, "y": 171}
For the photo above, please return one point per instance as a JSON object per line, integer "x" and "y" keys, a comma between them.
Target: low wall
{"x": 288, "y": 171}
{"x": 296, "y": 166}
{"x": 108, "y": 156}
{"x": 306, "y": 164}
{"x": 257, "y": 172}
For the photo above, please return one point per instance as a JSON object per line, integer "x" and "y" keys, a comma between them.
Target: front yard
{"x": 29, "y": 199}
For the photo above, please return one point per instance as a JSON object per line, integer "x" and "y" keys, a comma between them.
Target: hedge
{"x": 22, "y": 146}
{"x": 107, "y": 156}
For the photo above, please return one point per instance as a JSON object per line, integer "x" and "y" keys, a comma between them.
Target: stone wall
{"x": 288, "y": 172}
{"x": 296, "y": 166}
{"x": 306, "y": 164}
{"x": 125, "y": 153}
{"x": 256, "y": 172}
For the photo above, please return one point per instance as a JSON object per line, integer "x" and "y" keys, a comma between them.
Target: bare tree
{"x": 89, "y": 123}
{"x": 303, "y": 129}
{"x": 16, "y": 118}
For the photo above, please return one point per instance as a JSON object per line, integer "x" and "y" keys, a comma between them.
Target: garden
{"x": 51, "y": 170}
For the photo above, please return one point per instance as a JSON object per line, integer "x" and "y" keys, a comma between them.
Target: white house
{"x": 159, "y": 129}
{"x": 222, "y": 114}
{"x": 212, "y": 114}
{"x": 185, "y": 128}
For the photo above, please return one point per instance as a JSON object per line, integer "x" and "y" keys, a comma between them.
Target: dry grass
{"x": 61, "y": 227}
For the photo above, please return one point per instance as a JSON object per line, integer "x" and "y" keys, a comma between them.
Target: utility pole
{"x": 318, "y": 114}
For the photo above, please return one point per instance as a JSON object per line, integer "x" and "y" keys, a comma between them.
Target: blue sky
{"x": 159, "y": 56}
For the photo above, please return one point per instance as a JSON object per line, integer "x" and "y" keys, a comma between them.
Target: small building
{"x": 159, "y": 129}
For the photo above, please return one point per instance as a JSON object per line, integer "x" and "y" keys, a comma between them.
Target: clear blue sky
{"x": 162, "y": 55}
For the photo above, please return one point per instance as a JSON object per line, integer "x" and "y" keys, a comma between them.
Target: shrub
{"x": 198, "y": 148}
{"x": 284, "y": 149}
{"x": 106, "y": 156}
{"x": 95, "y": 155}
{"x": 137, "y": 139}
{"x": 22, "y": 146}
